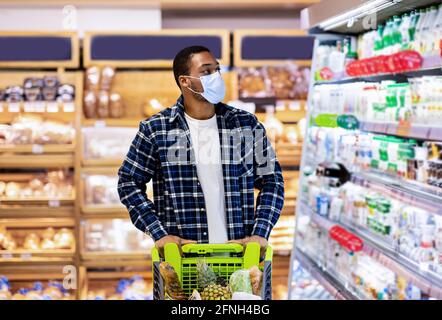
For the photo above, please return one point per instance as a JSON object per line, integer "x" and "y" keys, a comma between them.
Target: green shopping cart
{"x": 224, "y": 259}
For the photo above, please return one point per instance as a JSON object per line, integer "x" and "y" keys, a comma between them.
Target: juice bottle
{"x": 387, "y": 37}
{"x": 437, "y": 34}
{"x": 378, "y": 43}
{"x": 414, "y": 19}
{"x": 419, "y": 29}
{"x": 396, "y": 35}
{"x": 427, "y": 35}
{"x": 404, "y": 27}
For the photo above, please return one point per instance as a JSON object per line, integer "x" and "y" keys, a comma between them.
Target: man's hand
{"x": 171, "y": 239}
{"x": 262, "y": 243}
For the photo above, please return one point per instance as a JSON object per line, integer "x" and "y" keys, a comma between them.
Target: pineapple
{"x": 206, "y": 276}
{"x": 216, "y": 292}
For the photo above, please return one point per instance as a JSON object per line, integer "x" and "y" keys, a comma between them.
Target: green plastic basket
{"x": 224, "y": 259}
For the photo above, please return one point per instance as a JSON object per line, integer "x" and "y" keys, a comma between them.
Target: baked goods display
{"x": 282, "y": 82}
{"x": 291, "y": 188}
{"x": 53, "y": 184}
{"x": 114, "y": 235}
{"x": 52, "y": 290}
{"x": 252, "y": 83}
{"x": 107, "y": 143}
{"x": 134, "y": 288}
{"x": 33, "y": 89}
{"x": 34, "y": 129}
{"x": 47, "y": 239}
{"x": 281, "y": 238}
{"x": 101, "y": 190}
{"x": 99, "y": 100}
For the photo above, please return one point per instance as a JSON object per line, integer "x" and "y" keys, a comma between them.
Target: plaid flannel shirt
{"x": 178, "y": 207}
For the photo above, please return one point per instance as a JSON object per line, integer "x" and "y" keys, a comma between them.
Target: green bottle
{"x": 414, "y": 16}
{"x": 378, "y": 45}
{"x": 387, "y": 36}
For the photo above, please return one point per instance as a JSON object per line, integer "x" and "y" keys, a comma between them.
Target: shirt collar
{"x": 178, "y": 109}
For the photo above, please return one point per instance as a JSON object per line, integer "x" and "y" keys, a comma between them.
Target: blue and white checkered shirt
{"x": 162, "y": 151}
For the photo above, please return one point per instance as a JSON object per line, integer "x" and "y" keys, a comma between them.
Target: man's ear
{"x": 184, "y": 81}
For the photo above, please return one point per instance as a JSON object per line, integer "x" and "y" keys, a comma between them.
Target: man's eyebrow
{"x": 208, "y": 64}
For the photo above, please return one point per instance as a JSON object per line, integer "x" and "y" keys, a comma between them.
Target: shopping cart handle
{"x": 204, "y": 248}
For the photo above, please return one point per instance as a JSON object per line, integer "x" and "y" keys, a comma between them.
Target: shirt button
{"x": 205, "y": 233}
{"x": 202, "y": 210}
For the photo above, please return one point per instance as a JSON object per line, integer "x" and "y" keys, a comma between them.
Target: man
{"x": 205, "y": 159}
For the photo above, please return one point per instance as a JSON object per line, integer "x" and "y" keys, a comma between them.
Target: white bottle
{"x": 427, "y": 34}
{"x": 337, "y": 59}
{"x": 419, "y": 26}
{"x": 405, "y": 24}
{"x": 437, "y": 33}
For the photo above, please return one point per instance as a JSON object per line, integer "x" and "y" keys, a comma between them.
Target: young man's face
{"x": 200, "y": 64}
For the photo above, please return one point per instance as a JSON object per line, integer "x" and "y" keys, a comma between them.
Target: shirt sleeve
{"x": 268, "y": 180}
{"x": 138, "y": 169}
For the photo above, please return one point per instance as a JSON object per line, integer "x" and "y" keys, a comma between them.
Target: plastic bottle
{"x": 427, "y": 35}
{"x": 404, "y": 27}
{"x": 437, "y": 34}
{"x": 378, "y": 43}
{"x": 387, "y": 37}
{"x": 414, "y": 19}
{"x": 396, "y": 36}
{"x": 419, "y": 28}
{"x": 337, "y": 59}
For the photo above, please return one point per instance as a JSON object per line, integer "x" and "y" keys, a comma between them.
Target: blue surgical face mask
{"x": 214, "y": 89}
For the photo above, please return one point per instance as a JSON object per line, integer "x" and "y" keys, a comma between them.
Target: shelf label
{"x": 403, "y": 128}
{"x": 327, "y": 120}
{"x": 7, "y": 256}
{"x": 68, "y": 107}
{"x": 295, "y": 105}
{"x": 54, "y": 203}
{"x": 28, "y": 106}
{"x": 348, "y": 122}
{"x": 100, "y": 124}
{"x": 26, "y": 256}
{"x": 14, "y": 107}
{"x": 39, "y": 106}
{"x": 1, "y": 106}
{"x": 52, "y": 106}
{"x": 37, "y": 148}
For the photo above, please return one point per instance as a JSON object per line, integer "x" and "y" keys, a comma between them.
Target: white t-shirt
{"x": 206, "y": 145}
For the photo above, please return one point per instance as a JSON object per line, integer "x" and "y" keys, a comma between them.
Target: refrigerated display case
{"x": 369, "y": 207}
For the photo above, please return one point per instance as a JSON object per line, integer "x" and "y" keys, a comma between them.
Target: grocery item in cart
{"x": 172, "y": 283}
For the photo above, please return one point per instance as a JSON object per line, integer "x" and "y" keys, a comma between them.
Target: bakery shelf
{"x": 413, "y": 131}
{"x": 286, "y": 116}
{"x": 102, "y": 162}
{"x": 112, "y": 264}
{"x": 385, "y": 254}
{"x": 38, "y": 148}
{"x": 289, "y": 207}
{"x": 336, "y": 289}
{"x": 36, "y": 161}
{"x": 104, "y": 212}
{"x": 48, "y": 201}
{"x": 123, "y": 122}
{"x": 22, "y": 212}
{"x": 38, "y": 222}
{"x": 116, "y": 256}
{"x": 106, "y": 278}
